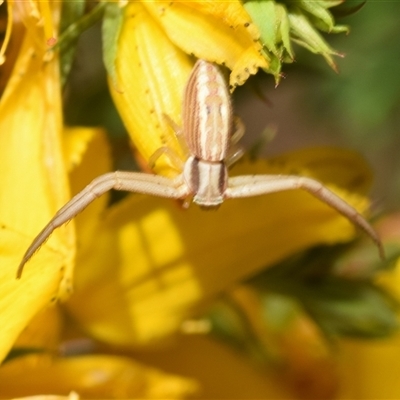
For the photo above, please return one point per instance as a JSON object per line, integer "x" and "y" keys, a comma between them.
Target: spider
{"x": 207, "y": 130}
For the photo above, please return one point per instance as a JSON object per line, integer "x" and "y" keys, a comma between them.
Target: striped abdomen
{"x": 207, "y": 113}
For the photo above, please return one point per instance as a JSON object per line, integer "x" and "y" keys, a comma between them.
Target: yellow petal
{"x": 369, "y": 369}
{"x": 152, "y": 262}
{"x": 11, "y": 45}
{"x": 222, "y": 372}
{"x": 97, "y": 376}
{"x": 88, "y": 156}
{"x": 32, "y": 171}
{"x": 152, "y": 74}
{"x": 78, "y": 141}
{"x": 43, "y": 332}
{"x": 87, "y": 153}
{"x": 215, "y": 31}
{"x": 72, "y": 396}
{"x": 41, "y": 19}
{"x": 345, "y": 168}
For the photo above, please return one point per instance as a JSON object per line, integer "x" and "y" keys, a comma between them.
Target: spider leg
{"x": 238, "y": 130}
{"x": 256, "y": 185}
{"x": 235, "y": 151}
{"x": 174, "y": 157}
{"x": 119, "y": 180}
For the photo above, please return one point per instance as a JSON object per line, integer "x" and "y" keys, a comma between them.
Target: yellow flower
{"x": 143, "y": 265}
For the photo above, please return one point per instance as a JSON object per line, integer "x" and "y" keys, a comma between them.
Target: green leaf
{"x": 230, "y": 324}
{"x": 112, "y": 23}
{"x": 362, "y": 261}
{"x": 70, "y": 12}
{"x": 340, "y": 306}
{"x": 350, "y": 308}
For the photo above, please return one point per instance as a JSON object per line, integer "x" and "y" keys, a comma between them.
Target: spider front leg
{"x": 256, "y": 185}
{"x": 119, "y": 180}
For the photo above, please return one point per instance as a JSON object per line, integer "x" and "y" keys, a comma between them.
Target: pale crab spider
{"x": 207, "y": 129}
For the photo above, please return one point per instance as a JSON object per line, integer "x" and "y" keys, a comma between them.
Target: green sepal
{"x": 307, "y": 36}
{"x": 326, "y": 24}
{"x": 274, "y": 68}
{"x": 328, "y": 3}
{"x": 347, "y": 8}
{"x": 320, "y": 17}
{"x": 335, "y": 29}
{"x": 264, "y": 16}
{"x": 272, "y": 21}
{"x": 284, "y": 31}
{"x": 315, "y": 9}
